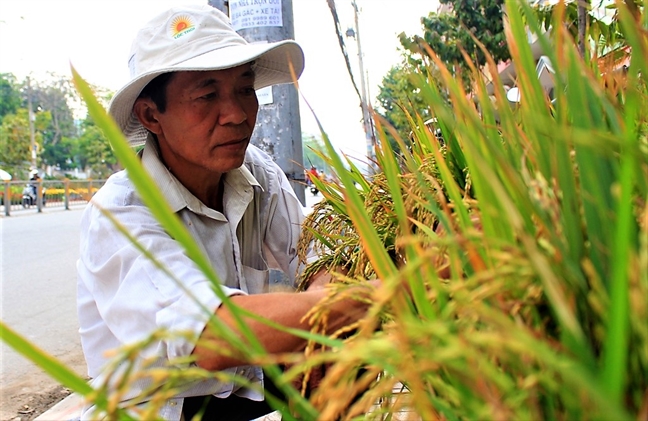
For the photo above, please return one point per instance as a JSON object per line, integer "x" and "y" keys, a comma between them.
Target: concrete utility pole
{"x": 278, "y": 127}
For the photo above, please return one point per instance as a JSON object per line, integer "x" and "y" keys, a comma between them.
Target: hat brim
{"x": 271, "y": 68}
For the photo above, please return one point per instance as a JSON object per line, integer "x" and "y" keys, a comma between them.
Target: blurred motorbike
{"x": 30, "y": 196}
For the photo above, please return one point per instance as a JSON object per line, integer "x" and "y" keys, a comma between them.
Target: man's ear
{"x": 146, "y": 112}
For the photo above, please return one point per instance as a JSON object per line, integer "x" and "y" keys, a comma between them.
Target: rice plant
{"x": 522, "y": 240}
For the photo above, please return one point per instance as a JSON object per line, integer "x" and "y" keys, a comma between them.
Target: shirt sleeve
{"x": 133, "y": 296}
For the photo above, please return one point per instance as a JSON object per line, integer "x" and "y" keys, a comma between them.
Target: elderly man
{"x": 191, "y": 100}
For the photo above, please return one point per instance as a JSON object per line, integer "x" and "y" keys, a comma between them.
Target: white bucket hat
{"x": 196, "y": 37}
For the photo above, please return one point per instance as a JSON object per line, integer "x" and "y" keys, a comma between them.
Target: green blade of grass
{"x": 615, "y": 355}
{"x": 51, "y": 365}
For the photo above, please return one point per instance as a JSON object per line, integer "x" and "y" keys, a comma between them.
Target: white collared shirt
{"x": 123, "y": 297}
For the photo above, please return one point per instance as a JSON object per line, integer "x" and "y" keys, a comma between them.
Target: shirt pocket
{"x": 255, "y": 281}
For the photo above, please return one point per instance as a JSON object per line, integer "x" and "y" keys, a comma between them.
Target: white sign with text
{"x": 264, "y": 95}
{"x": 255, "y": 13}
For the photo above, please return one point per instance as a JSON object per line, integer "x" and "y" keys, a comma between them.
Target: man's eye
{"x": 249, "y": 91}
{"x": 210, "y": 95}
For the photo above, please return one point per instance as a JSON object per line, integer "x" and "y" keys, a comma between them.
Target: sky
{"x": 41, "y": 36}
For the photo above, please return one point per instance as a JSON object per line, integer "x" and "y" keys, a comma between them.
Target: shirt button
{"x": 173, "y": 403}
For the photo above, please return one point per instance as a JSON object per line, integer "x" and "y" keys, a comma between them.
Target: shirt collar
{"x": 238, "y": 180}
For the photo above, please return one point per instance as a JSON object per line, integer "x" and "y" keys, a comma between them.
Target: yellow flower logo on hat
{"x": 181, "y": 25}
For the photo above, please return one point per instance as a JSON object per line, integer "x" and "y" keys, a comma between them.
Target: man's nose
{"x": 232, "y": 111}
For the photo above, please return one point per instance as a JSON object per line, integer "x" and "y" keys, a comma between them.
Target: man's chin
{"x": 231, "y": 164}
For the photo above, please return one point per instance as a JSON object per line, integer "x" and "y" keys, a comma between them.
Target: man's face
{"x": 208, "y": 121}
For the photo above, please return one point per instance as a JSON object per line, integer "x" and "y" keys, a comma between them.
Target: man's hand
{"x": 322, "y": 278}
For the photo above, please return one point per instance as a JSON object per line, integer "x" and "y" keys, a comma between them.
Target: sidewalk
{"x": 67, "y": 410}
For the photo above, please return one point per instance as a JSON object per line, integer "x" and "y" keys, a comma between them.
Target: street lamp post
{"x": 32, "y": 118}
{"x": 366, "y": 115}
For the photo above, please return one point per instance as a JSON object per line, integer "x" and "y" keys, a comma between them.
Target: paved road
{"x": 38, "y": 285}
{"x": 312, "y": 199}
{"x": 39, "y": 255}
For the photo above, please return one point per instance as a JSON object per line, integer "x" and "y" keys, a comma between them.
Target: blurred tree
{"x": 10, "y": 97}
{"x": 398, "y": 97}
{"x": 56, "y": 132}
{"x": 92, "y": 151}
{"x": 54, "y": 97}
{"x": 15, "y": 141}
{"x": 449, "y": 33}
